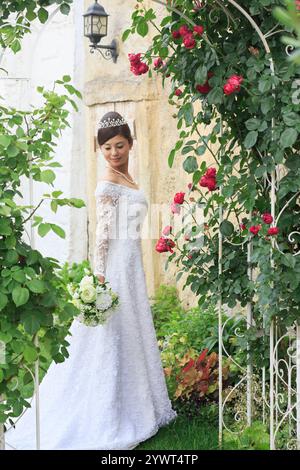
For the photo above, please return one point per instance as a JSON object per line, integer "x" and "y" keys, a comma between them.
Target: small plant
{"x": 198, "y": 379}
{"x": 254, "y": 437}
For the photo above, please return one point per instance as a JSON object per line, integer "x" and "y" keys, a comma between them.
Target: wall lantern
{"x": 95, "y": 28}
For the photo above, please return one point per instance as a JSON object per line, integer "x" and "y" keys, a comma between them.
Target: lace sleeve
{"x": 106, "y": 211}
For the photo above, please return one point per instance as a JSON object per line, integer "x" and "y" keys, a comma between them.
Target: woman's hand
{"x": 101, "y": 279}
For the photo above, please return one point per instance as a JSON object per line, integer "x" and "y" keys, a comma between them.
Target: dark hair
{"x": 106, "y": 133}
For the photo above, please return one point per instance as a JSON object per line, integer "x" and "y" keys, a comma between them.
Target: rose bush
{"x": 248, "y": 126}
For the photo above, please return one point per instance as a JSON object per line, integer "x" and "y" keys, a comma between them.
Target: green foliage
{"x": 254, "y": 437}
{"x": 35, "y": 307}
{"x": 16, "y": 17}
{"x": 183, "y": 335}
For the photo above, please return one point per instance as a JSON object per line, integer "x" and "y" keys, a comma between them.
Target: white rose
{"x": 88, "y": 294}
{"x": 86, "y": 281}
{"x": 103, "y": 301}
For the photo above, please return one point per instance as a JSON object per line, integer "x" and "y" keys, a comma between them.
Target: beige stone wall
{"x": 144, "y": 103}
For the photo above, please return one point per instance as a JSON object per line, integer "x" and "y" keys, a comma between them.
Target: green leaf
{"x": 252, "y": 124}
{"x": 77, "y": 202}
{"x": 267, "y": 104}
{"x": 5, "y": 228}
{"x": 30, "y": 14}
{"x": 11, "y": 257}
{"x": 289, "y": 260}
{"x": 190, "y": 164}
{"x": 250, "y": 139}
{"x": 288, "y": 137}
{"x": 260, "y": 171}
{"x": 5, "y": 140}
{"x": 20, "y": 295}
{"x": 201, "y": 75}
{"x": 65, "y": 8}
{"x": 43, "y": 15}
{"x": 264, "y": 85}
{"x": 125, "y": 34}
{"x": 36, "y": 285}
{"x": 171, "y": 158}
{"x": 58, "y": 230}
{"x": 290, "y": 118}
{"x": 3, "y": 300}
{"x": 19, "y": 276}
{"x": 48, "y": 176}
{"x": 196, "y": 177}
{"x": 142, "y": 28}
{"x": 226, "y": 228}
{"x": 215, "y": 96}
{"x": 66, "y": 78}
{"x": 31, "y": 323}
{"x": 12, "y": 151}
{"x": 188, "y": 113}
{"x": 43, "y": 229}
{"x": 54, "y": 205}
{"x": 30, "y": 354}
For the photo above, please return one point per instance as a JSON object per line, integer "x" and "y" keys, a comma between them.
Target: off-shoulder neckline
{"x": 117, "y": 184}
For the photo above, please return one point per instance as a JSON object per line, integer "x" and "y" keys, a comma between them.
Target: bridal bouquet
{"x": 95, "y": 301}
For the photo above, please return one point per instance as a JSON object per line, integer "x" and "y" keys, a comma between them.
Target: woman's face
{"x": 116, "y": 151}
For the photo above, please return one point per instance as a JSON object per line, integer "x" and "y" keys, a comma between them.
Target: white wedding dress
{"x": 111, "y": 392}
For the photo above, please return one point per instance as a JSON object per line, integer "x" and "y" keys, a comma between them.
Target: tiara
{"x": 112, "y": 122}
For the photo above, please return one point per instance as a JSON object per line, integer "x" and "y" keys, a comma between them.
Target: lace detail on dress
{"x": 106, "y": 202}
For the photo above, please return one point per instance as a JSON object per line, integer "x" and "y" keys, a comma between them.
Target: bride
{"x": 111, "y": 391}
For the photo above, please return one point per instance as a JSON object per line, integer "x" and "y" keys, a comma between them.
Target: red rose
{"x": 176, "y": 34}
{"x": 229, "y": 89}
{"x": 233, "y": 84}
{"x": 203, "y": 182}
{"x": 190, "y": 186}
{"x": 199, "y": 30}
{"x": 183, "y": 30}
{"x": 209, "y": 179}
{"x": 267, "y": 218}
{"x": 187, "y": 238}
{"x": 255, "y": 229}
{"x": 134, "y": 58}
{"x": 136, "y": 66}
{"x": 243, "y": 226}
{"x": 164, "y": 244}
{"x": 203, "y": 89}
{"x": 235, "y": 80}
{"x": 158, "y": 62}
{"x": 273, "y": 231}
{"x": 211, "y": 172}
{"x": 178, "y": 92}
{"x": 189, "y": 42}
{"x": 167, "y": 230}
{"x": 179, "y": 198}
{"x": 211, "y": 184}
